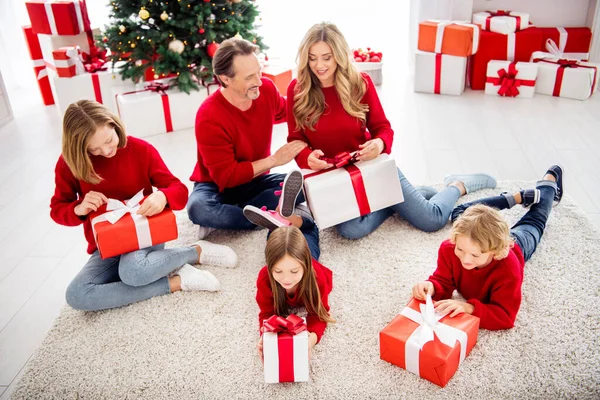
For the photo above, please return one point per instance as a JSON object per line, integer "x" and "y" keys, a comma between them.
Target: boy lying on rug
{"x": 484, "y": 259}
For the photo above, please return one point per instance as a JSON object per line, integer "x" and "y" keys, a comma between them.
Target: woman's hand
{"x": 91, "y": 202}
{"x": 370, "y": 149}
{"x": 455, "y": 306}
{"x": 153, "y": 204}
{"x": 315, "y": 163}
{"x": 421, "y": 290}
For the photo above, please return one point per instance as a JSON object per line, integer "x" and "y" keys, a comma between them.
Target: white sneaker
{"x": 193, "y": 279}
{"x": 217, "y": 254}
{"x": 204, "y": 231}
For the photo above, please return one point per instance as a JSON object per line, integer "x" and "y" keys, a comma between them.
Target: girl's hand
{"x": 153, "y": 204}
{"x": 421, "y": 290}
{"x": 370, "y": 149}
{"x": 315, "y": 163}
{"x": 312, "y": 341}
{"x": 454, "y": 306}
{"x": 91, "y": 202}
{"x": 259, "y": 347}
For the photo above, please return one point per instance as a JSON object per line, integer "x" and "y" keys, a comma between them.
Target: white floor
{"x": 435, "y": 135}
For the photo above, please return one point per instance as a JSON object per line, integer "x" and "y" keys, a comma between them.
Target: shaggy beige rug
{"x": 202, "y": 345}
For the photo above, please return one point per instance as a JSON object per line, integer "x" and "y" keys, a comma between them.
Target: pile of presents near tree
{"x": 503, "y": 53}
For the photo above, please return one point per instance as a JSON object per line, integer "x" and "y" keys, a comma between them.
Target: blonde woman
{"x": 484, "y": 259}
{"x": 99, "y": 162}
{"x": 334, "y": 108}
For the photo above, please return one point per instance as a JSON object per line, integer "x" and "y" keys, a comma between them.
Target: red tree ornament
{"x": 201, "y": 31}
{"x": 211, "y": 49}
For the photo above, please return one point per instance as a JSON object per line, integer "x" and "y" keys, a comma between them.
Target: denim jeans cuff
{"x": 510, "y": 200}
{"x": 541, "y": 183}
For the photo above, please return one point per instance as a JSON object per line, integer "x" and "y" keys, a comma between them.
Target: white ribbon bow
{"x": 443, "y": 23}
{"x": 117, "y": 209}
{"x": 428, "y": 319}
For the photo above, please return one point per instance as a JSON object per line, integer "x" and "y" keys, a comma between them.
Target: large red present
{"x": 426, "y": 343}
{"x": 58, "y": 17}
{"x": 39, "y": 67}
{"x": 573, "y": 43}
{"x": 285, "y": 349}
{"x": 118, "y": 229}
{"x": 517, "y": 46}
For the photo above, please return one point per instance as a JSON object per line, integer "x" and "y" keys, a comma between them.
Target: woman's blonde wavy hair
{"x": 80, "y": 122}
{"x": 309, "y": 101}
{"x": 486, "y": 227}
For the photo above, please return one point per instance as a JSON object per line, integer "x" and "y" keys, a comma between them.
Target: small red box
{"x": 281, "y": 76}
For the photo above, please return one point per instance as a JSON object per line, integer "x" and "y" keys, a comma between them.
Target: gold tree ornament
{"x": 176, "y": 46}
{"x": 144, "y": 14}
{"x": 122, "y": 28}
{"x": 164, "y": 16}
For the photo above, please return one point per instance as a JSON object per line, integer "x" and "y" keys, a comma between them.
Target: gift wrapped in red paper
{"x": 426, "y": 343}
{"x": 285, "y": 349}
{"x": 118, "y": 228}
{"x": 517, "y": 46}
{"x": 58, "y": 17}
{"x": 39, "y": 67}
{"x": 573, "y": 43}
{"x": 68, "y": 61}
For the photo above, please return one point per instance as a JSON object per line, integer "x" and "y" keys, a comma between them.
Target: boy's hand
{"x": 421, "y": 290}
{"x": 453, "y": 306}
{"x": 259, "y": 347}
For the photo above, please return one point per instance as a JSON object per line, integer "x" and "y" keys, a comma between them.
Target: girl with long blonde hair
{"x": 334, "y": 108}
{"x": 99, "y": 161}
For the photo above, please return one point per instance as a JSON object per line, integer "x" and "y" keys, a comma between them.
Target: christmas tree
{"x": 178, "y": 38}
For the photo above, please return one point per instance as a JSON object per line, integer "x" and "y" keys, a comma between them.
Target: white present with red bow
{"x": 285, "y": 349}
{"x": 58, "y": 17}
{"x": 440, "y": 73}
{"x": 68, "y": 61}
{"x": 501, "y": 21}
{"x": 352, "y": 189}
{"x": 158, "y": 108}
{"x": 119, "y": 229}
{"x": 505, "y": 78}
{"x": 570, "y": 79}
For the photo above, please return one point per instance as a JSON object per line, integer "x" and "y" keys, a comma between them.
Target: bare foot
{"x": 549, "y": 177}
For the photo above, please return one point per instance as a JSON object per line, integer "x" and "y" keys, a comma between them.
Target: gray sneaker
{"x": 472, "y": 182}
{"x": 204, "y": 231}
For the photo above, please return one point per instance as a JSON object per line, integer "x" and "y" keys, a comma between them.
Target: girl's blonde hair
{"x": 309, "y": 101}
{"x": 288, "y": 240}
{"x": 486, "y": 227}
{"x": 80, "y": 122}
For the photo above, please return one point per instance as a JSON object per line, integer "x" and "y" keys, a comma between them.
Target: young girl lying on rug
{"x": 292, "y": 278}
{"x": 484, "y": 259}
{"x": 99, "y": 162}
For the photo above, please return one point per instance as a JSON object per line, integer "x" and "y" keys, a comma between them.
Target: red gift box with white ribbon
{"x": 285, "y": 349}
{"x": 118, "y": 229}
{"x": 517, "y": 46}
{"x": 439, "y": 73}
{"x": 58, "y": 17}
{"x": 68, "y": 62}
{"x": 349, "y": 190}
{"x": 573, "y": 43}
{"x": 39, "y": 67}
{"x": 428, "y": 344}
{"x": 508, "y": 79}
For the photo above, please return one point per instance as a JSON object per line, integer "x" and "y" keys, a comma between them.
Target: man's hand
{"x": 288, "y": 152}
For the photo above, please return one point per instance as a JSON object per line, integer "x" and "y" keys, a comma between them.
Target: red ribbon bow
{"x": 500, "y": 13}
{"x": 508, "y": 82}
{"x": 292, "y": 325}
{"x": 342, "y": 159}
{"x": 564, "y": 64}
{"x": 156, "y": 86}
{"x": 95, "y": 61}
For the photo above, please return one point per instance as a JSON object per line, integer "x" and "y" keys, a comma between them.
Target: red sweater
{"x": 137, "y": 165}
{"x": 264, "y": 297}
{"x": 229, "y": 139}
{"x": 494, "y": 290}
{"x": 337, "y": 131}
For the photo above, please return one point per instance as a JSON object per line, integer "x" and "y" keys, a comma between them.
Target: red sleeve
{"x": 293, "y": 133}
{"x": 324, "y": 280}
{"x": 264, "y": 297}
{"x": 442, "y": 278}
{"x": 216, "y": 148}
{"x": 501, "y": 311}
{"x": 161, "y": 178}
{"x": 66, "y": 196}
{"x": 377, "y": 122}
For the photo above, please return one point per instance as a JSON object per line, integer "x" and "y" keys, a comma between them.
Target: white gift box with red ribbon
{"x": 440, "y": 73}
{"x": 163, "y": 109}
{"x": 285, "y": 349}
{"x": 570, "y": 79}
{"x": 505, "y": 78}
{"x": 501, "y": 21}
{"x": 68, "y": 62}
{"x": 340, "y": 194}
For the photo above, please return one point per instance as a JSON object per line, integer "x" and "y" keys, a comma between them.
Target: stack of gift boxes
{"x": 503, "y": 53}
{"x": 69, "y": 67}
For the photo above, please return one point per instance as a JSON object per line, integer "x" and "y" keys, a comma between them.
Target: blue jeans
{"x": 223, "y": 210}
{"x": 126, "y": 279}
{"x": 528, "y": 231}
{"x": 427, "y": 215}
{"x": 311, "y": 233}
